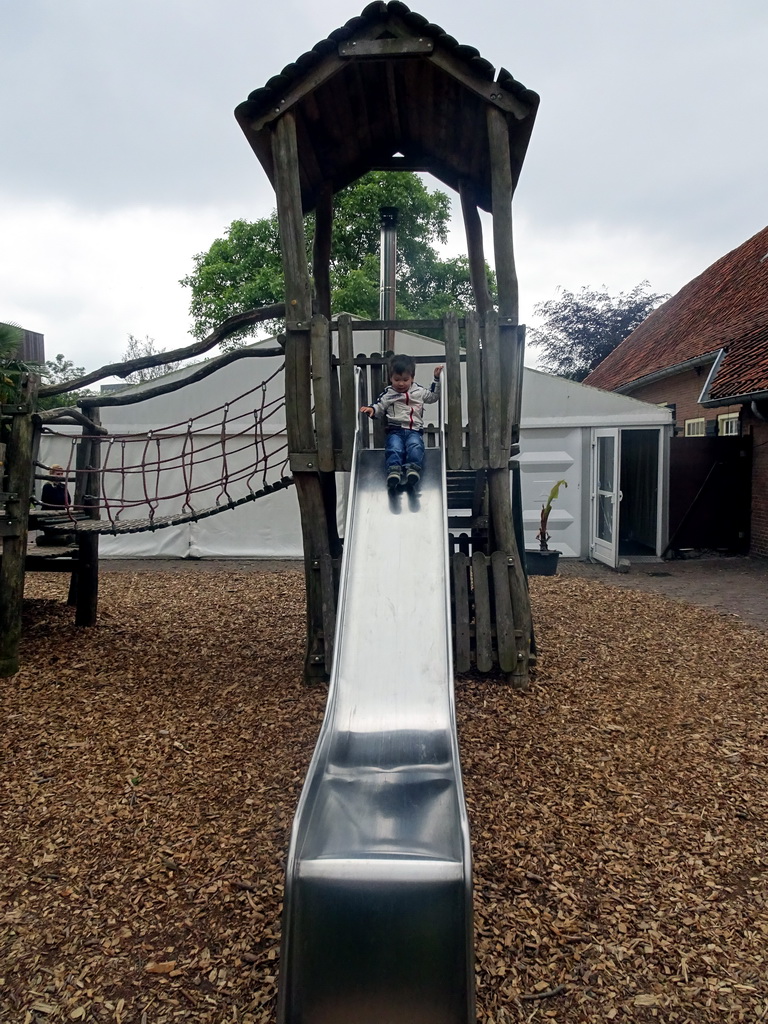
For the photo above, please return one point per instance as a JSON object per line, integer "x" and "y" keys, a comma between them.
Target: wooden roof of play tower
{"x": 390, "y": 91}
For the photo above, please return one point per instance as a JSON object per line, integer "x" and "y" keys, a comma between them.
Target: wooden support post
{"x": 19, "y": 479}
{"x": 498, "y": 450}
{"x": 504, "y": 257}
{"x": 500, "y": 502}
{"x": 454, "y": 423}
{"x": 511, "y": 382}
{"x": 321, "y": 272}
{"x": 314, "y": 501}
{"x": 322, "y": 387}
{"x": 349, "y": 397}
{"x": 87, "y": 494}
{"x": 459, "y": 573}
{"x": 483, "y": 633}
{"x": 475, "y": 414}
{"x": 475, "y": 251}
{"x": 321, "y": 250}
{"x": 379, "y": 381}
{"x": 517, "y": 519}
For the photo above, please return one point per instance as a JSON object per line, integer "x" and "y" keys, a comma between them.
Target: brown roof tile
{"x": 744, "y": 370}
{"x": 725, "y": 307}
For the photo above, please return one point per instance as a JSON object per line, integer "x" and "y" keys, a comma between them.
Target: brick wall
{"x": 759, "y": 431}
{"x": 682, "y": 391}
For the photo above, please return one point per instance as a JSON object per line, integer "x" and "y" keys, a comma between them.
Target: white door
{"x": 606, "y": 495}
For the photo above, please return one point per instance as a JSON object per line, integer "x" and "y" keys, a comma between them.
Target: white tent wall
{"x": 557, "y": 418}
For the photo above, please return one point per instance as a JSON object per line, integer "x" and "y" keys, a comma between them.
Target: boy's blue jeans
{"x": 404, "y": 447}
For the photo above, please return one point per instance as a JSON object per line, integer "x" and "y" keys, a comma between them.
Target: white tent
{"x": 558, "y": 420}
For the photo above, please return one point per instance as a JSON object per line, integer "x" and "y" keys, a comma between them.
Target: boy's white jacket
{"x": 406, "y": 409}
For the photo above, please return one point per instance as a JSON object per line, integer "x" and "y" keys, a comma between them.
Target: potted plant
{"x": 542, "y": 561}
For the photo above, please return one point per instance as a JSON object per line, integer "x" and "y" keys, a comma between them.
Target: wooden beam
{"x": 475, "y": 250}
{"x": 460, "y": 570}
{"x": 403, "y": 47}
{"x": 331, "y": 65}
{"x": 496, "y": 97}
{"x": 454, "y": 431}
{"x": 224, "y": 330}
{"x": 315, "y": 499}
{"x": 478, "y": 441}
{"x": 87, "y": 610}
{"x": 483, "y": 633}
{"x": 298, "y": 300}
{"x": 493, "y": 393}
{"x": 349, "y": 395}
{"x": 321, "y": 250}
{"x": 506, "y": 273}
{"x": 20, "y": 477}
{"x": 322, "y": 391}
{"x": 502, "y": 521}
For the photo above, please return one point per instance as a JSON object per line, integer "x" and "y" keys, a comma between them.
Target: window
{"x": 728, "y": 425}
{"x": 695, "y": 428}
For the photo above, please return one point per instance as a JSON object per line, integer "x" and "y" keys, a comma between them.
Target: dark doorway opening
{"x": 639, "y": 485}
{"x": 710, "y": 493}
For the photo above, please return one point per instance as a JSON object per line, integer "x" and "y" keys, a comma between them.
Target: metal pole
{"x": 387, "y": 280}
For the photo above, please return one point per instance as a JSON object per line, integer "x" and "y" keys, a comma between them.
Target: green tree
{"x": 243, "y": 269}
{"x": 579, "y": 329}
{"x": 59, "y": 371}
{"x": 11, "y": 366}
{"x": 137, "y": 349}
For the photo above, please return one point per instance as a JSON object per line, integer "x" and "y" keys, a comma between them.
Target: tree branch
{"x": 205, "y": 370}
{"x": 123, "y": 369}
{"x": 69, "y": 413}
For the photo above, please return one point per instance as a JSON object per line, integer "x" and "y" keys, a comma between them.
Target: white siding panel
{"x": 546, "y": 456}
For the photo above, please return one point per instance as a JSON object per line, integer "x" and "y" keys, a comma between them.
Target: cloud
{"x": 122, "y": 157}
{"x": 87, "y": 279}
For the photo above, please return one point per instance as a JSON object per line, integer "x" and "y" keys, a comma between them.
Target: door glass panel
{"x": 605, "y": 459}
{"x": 605, "y": 517}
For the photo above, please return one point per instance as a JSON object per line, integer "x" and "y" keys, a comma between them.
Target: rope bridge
{"x": 135, "y": 468}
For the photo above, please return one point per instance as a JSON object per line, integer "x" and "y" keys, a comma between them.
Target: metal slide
{"x": 377, "y": 920}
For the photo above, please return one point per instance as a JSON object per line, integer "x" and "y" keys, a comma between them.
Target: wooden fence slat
{"x": 475, "y": 411}
{"x": 379, "y": 380}
{"x": 322, "y": 378}
{"x": 459, "y": 566}
{"x": 364, "y": 398}
{"x": 517, "y": 380}
{"x": 349, "y": 396}
{"x": 483, "y": 632}
{"x": 327, "y": 584}
{"x": 452, "y": 391}
{"x": 505, "y": 626}
{"x": 497, "y": 458}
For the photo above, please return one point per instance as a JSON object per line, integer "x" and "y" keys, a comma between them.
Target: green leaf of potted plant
{"x": 544, "y": 562}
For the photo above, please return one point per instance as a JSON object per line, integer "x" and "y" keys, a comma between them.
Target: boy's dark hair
{"x": 402, "y": 364}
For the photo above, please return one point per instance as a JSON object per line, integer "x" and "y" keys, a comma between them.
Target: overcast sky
{"x": 121, "y": 157}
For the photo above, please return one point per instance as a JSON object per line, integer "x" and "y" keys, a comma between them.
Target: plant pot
{"x": 541, "y": 563}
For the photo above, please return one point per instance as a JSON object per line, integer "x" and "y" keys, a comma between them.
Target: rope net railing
{"x": 189, "y": 470}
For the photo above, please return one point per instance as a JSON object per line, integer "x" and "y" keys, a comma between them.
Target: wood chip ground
{"x": 151, "y": 768}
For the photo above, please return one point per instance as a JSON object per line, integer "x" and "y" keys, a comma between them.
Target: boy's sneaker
{"x": 412, "y": 476}
{"x": 394, "y": 478}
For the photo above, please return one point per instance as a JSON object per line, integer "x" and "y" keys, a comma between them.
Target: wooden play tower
{"x": 387, "y": 91}
{"x": 390, "y": 91}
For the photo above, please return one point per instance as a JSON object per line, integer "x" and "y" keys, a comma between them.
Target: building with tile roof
{"x": 705, "y": 352}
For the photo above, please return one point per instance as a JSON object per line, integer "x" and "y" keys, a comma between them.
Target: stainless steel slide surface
{"x": 377, "y": 921}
